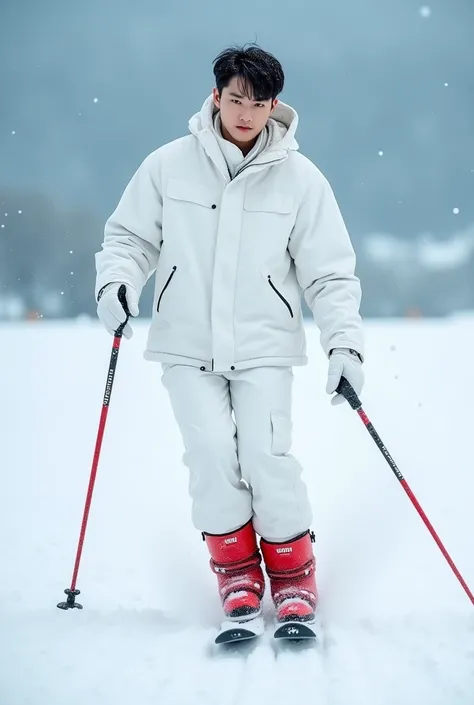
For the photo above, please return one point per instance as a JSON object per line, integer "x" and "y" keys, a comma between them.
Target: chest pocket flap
{"x": 190, "y": 191}
{"x": 274, "y": 202}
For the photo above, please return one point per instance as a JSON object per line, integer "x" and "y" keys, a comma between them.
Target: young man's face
{"x": 242, "y": 119}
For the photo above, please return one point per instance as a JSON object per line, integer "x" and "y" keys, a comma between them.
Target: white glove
{"x": 111, "y": 312}
{"x": 344, "y": 363}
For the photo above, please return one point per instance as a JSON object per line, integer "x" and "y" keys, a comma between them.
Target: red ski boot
{"x": 290, "y": 567}
{"x": 235, "y": 559}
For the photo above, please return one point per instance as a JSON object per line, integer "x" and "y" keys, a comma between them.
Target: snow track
{"x": 397, "y": 626}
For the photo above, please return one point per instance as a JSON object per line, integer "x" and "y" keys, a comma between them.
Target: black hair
{"x": 260, "y": 74}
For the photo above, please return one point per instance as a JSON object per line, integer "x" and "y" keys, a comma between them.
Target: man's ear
{"x": 216, "y": 97}
{"x": 275, "y": 103}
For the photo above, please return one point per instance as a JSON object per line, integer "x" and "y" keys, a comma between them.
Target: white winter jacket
{"x": 232, "y": 256}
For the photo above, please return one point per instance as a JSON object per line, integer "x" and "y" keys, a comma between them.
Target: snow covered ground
{"x": 398, "y": 626}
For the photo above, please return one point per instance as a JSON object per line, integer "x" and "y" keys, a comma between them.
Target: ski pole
{"x": 72, "y": 592}
{"x": 347, "y": 391}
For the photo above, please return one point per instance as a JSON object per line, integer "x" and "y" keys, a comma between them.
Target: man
{"x": 236, "y": 223}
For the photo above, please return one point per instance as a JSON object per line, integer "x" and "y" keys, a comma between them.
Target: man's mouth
{"x": 244, "y": 129}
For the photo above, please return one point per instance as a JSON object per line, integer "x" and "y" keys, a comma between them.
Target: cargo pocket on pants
{"x": 281, "y": 433}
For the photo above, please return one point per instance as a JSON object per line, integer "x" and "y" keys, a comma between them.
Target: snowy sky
{"x": 384, "y": 92}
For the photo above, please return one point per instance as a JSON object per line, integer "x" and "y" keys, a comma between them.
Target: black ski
{"x": 240, "y": 631}
{"x": 295, "y": 630}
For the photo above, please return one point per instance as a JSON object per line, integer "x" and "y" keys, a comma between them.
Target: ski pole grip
{"x": 123, "y": 300}
{"x": 347, "y": 391}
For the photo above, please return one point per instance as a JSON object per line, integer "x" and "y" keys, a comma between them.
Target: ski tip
{"x": 240, "y": 631}
{"x": 236, "y": 634}
{"x": 295, "y": 630}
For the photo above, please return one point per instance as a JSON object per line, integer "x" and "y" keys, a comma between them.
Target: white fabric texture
{"x": 232, "y": 256}
{"x": 343, "y": 363}
{"x": 111, "y": 312}
{"x": 226, "y": 455}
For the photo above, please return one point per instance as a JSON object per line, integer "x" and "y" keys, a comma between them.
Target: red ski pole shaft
{"x": 72, "y": 592}
{"x": 350, "y": 395}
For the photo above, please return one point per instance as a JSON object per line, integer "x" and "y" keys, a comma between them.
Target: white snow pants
{"x": 236, "y": 428}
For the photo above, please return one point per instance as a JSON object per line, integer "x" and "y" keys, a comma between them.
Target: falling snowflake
{"x": 71, "y": 272}
{"x": 425, "y": 11}
{"x": 71, "y": 252}
{"x": 96, "y": 100}
{"x": 455, "y": 211}
{"x": 2, "y": 225}
{"x": 6, "y": 215}
{"x": 20, "y": 212}
{"x": 62, "y": 293}
{"x": 446, "y": 85}
{"x": 380, "y": 153}
{"x": 13, "y": 132}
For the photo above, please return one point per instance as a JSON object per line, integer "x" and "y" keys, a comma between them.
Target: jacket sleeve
{"x": 132, "y": 235}
{"x": 325, "y": 268}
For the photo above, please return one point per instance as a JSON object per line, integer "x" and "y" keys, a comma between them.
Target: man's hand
{"x": 111, "y": 312}
{"x": 344, "y": 362}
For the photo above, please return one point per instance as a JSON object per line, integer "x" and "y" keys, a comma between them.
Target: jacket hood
{"x": 282, "y": 125}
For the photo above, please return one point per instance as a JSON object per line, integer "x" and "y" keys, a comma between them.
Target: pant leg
{"x": 261, "y": 399}
{"x": 221, "y": 502}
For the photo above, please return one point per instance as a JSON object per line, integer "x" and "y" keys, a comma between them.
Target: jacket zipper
{"x": 164, "y": 288}
{"x": 280, "y": 295}
{"x": 247, "y": 166}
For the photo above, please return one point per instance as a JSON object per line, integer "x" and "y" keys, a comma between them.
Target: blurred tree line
{"x": 46, "y": 258}
{"x": 47, "y": 266}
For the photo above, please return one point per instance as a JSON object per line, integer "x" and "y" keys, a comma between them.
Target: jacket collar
{"x": 282, "y": 127}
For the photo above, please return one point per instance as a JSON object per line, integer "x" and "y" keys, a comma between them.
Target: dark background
{"x": 385, "y": 95}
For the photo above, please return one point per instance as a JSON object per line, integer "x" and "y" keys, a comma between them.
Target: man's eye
{"x": 237, "y": 102}
{"x": 260, "y": 105}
